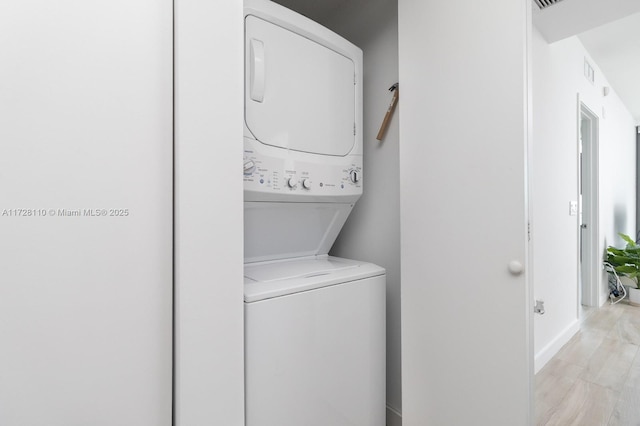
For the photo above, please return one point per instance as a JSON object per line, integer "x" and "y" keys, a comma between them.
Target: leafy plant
{"x": 626, "y": 261}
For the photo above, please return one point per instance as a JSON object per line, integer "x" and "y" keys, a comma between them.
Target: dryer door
{"x": 299, "y": 94}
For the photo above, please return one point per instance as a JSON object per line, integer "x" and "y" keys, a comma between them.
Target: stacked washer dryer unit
{"x": 314, "y": 324}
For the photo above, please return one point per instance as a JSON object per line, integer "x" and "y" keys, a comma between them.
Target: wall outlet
{"x": 573, "y": 208}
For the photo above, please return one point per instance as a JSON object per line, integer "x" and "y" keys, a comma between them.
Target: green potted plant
{"x": 626, "y": 263}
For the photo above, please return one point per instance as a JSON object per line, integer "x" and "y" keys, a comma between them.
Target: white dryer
{"x": 314, "y": 324}
{"x": 302, "y": 134}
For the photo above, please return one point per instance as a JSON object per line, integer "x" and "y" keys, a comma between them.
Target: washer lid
{"x": 266, "y": 280}
{"x": 299, "y": 94}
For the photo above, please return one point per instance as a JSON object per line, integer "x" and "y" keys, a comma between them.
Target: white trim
{"x": 594, "y": 259}
{"x": 579, "y": 289}
{"x": 555, "y": 345}
{"x": 208, "y": 256}
{"x": 529, "y": 250}
{"x": 394, "y": 418}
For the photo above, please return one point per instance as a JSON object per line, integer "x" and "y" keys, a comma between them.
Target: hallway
{"x": 595, "y": 378}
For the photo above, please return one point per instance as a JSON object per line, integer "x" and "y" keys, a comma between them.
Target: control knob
{"x": 306, "y": 184}
{"x": 354, "y": 175}
{"x": 292, "y": 183}
{"x": 249, "y": 167}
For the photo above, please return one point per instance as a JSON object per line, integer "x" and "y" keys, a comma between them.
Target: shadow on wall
{"x": 619, "y": 223}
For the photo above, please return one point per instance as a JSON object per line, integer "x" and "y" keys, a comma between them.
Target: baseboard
{"x": 394, "y": 418}
{"x": 548, "y": 352}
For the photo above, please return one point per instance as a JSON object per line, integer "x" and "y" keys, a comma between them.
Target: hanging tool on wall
{"x": 392, "y": 106}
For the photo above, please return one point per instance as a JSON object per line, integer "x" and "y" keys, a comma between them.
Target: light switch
{"x": 573, "y": 208}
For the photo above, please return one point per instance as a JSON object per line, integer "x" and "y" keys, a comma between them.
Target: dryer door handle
{"x": 256, "y": 57}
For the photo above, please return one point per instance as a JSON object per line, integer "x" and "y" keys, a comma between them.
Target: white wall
{"x": 463, "y": 134}
{"x": 209, "y": 255}
{"x": 372, "y": 232}
{"x": 86, "y": 123}
{"x": 557, "y": 81}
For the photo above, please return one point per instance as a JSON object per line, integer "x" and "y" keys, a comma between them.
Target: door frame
{"x": 590, "y": 294}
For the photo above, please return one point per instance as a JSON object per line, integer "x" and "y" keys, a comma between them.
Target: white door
{"x": 86, "y": 213}
{"x": 588, "y": 195}
{"x": 466, "y": 311}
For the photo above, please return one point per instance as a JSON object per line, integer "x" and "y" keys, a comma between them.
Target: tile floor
{"x": 595, "y": 378}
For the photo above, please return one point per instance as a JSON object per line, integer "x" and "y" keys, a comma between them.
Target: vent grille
{"x": 542, "y": 4}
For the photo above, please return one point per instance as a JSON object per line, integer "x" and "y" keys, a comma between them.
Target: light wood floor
{"x": 595, "y": 378}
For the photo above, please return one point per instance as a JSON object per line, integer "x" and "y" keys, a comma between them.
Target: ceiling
{"x": 572, "y": 17}
{"x": 615, "y": 47}
{"x": 610, "y": 31}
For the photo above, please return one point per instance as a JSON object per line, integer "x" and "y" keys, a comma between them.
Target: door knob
{"x": 515, "y": 267}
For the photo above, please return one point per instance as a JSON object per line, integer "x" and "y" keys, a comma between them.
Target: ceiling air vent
{"x": 542, "y": 4}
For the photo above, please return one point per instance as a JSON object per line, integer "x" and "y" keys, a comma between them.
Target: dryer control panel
{"x": 288, "y": 175}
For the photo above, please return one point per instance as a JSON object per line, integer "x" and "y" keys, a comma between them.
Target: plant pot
{"x": 634, "y": 296}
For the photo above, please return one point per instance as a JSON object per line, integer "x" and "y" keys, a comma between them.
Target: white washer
{"x": 315, "y": 325}
{"x": 315, "y": 343}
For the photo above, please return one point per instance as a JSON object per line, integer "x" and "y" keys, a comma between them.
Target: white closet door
{"x": 466, "y": 354}
{"x": 86, "y": 265}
